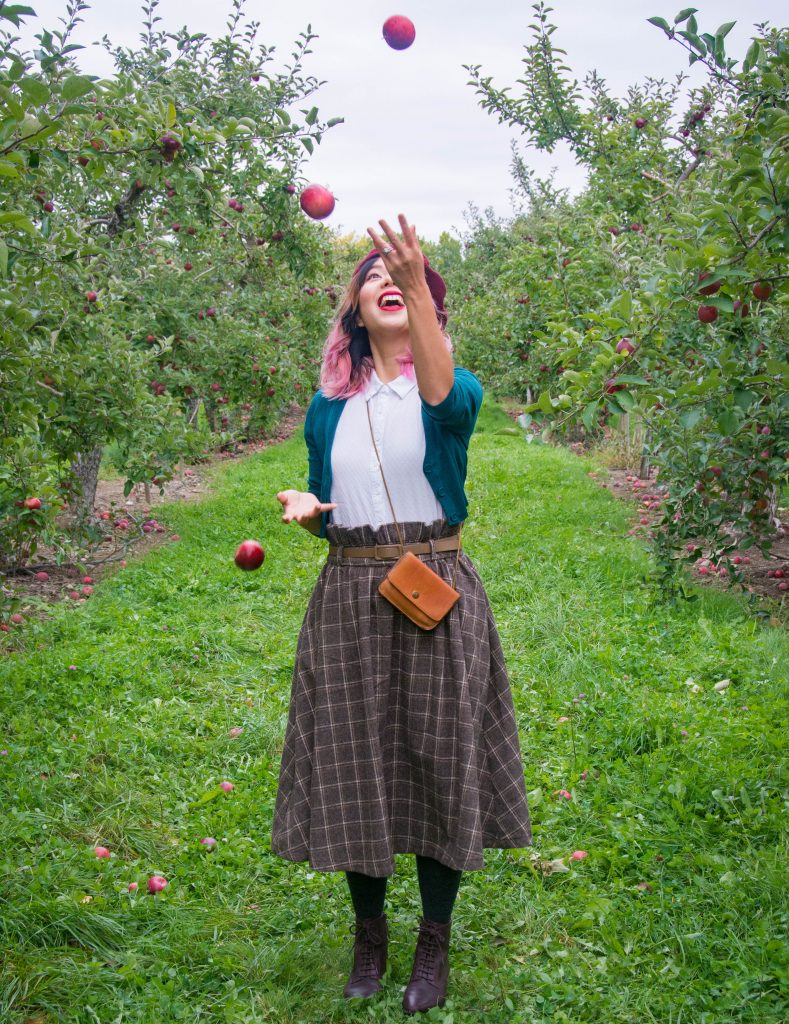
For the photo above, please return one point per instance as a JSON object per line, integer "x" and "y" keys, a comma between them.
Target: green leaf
{"x": 728, "y": 422}
{"x": 335, "y": 120}
{"x": 211, "y": 794}
{"x": 629, "y": 378}
{"x": 171, "y": 116}
{"x": 283, "y": 115}
{"x": 18, "y": 220}
{"x": 8, "y": 170}
{"x": 752, "y": 56}
{"x": 544, "y": 402}
{"x": 744, "y": 399}
{"x": 3, "y": 258}
{"x": 725, "y": 28}
{"x": 16, "y": 12}
{"x": 34, "y": 90}
{"x": 312, "y": 116}
{"x": 307, "y": 143}
{"x": 689, "y": 418}
{"x": 588, "y": 414}
{"x": 660, "y": 23}
{"x": 76, "y": 86}
{"x": 695, "y": 42}
{"x": 625, "y": 399}
{"x": 684, "y": 14}
{"x": 692, "y": 25}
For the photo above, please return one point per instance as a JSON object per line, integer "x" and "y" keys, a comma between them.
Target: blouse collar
{"x": 401, "y": 385}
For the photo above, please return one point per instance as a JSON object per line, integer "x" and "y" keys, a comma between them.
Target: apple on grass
{"x": 156, "y": 883}
{"x": 249, "y": 555}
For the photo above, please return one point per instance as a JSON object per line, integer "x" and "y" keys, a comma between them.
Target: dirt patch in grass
{"x": 645, "y": 495}
{"x": 145, "y": 531}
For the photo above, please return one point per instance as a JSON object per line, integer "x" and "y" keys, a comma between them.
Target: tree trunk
{"x": 643, "y": 469}
{"x": 210, "y": 413}
{"x": 191, "y": 411}
{"x": 86, "y": 469}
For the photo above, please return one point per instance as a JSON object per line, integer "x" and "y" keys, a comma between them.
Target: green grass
{"x": 685, "y": 791}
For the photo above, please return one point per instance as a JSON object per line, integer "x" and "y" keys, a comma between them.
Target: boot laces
{"x": 365, "y": 950}
{"x": 428, "y": 951}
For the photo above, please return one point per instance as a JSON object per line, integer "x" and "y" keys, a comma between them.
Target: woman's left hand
{"x": 405, "y": 262}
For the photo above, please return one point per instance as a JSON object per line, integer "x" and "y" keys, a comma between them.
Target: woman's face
{"x": 381, "y": 304}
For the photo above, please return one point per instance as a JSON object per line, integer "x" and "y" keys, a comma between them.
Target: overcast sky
{"x": 414, "y": 138}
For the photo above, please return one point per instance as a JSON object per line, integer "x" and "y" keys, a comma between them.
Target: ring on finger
{"x": 387, "y": 249}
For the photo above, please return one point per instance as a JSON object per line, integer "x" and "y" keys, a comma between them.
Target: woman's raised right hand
{"x": 302, "y": 506}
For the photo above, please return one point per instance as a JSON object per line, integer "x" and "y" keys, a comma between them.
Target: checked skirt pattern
{"x": 398, "y": 740}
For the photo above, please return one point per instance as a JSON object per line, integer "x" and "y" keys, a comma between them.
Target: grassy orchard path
{"x": 678, "y": 913}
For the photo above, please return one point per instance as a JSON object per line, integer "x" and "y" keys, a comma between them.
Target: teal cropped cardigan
{"x": 448, "y": 429}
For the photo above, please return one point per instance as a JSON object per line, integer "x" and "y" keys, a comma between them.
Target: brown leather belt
{"x": 394, "y": 551}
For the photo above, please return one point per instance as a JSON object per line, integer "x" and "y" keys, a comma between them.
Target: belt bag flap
{"x": 417, "y": 591}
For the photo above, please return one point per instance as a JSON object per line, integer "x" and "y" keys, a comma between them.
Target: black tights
{"x": 438, "y": 886}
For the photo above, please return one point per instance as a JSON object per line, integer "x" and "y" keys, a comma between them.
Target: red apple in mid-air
{"x": 399, "y": 32}
{"x": 707, "y": 314}
{"x": 740, "y": 307}
{"x": 317, "y": 201}
{"x": 640, "y": 122}
{"x": 762, "y": 290}
{"x": 249, "y": 555}
{"x": 91, "y": 296}
{"x": 626, "y": 345}
{"x": 32, "y": 502}
{"x": 156, "y": 883}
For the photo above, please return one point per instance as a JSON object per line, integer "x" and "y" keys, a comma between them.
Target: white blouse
{"x": 357, "y": 485}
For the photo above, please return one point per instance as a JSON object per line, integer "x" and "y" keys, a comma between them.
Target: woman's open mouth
{"x": 391, "y": 301}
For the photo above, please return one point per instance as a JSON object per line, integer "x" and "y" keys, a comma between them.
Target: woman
{"x": 399, "y": 739}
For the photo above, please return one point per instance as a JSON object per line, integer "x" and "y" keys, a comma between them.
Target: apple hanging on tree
{"x": 707, "y": 314}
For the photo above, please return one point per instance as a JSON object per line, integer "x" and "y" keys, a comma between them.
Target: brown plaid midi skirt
{"x": 398, "y": 740}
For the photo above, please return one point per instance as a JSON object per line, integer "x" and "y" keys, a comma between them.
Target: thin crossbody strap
{"x": 391, "y": 505}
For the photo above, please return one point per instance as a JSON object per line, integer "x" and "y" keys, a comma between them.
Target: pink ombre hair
{"x": 341, "y": 376}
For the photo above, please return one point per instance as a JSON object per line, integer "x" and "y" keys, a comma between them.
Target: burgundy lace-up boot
{"x": 369, "y": 957}
{"x": 430, "y": 974}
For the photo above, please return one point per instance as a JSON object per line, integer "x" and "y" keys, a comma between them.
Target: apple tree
{"x": 152, "y": 255}
{"x": 659, "y": 293}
